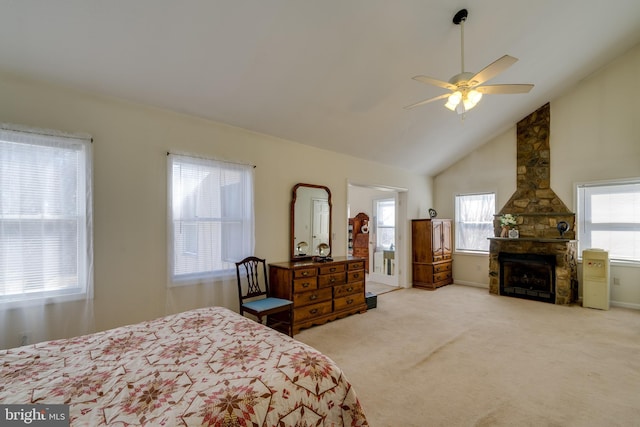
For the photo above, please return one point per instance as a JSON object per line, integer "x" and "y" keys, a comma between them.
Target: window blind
{"x": 211, "y": 216}
{"x": 45, "y": 215}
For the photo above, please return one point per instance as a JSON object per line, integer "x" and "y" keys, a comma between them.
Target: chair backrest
{"x": 254, "y": 272}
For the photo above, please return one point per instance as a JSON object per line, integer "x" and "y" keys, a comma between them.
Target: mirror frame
{"x": 294, "y": 196}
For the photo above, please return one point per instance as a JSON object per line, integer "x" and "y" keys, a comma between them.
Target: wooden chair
{"x": 257, "y": 300}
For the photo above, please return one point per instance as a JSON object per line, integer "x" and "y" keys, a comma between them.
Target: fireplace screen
{"x": 529, "y": 276}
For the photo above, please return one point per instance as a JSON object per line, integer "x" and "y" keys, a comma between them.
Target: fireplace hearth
{"x": 528, "y": 276}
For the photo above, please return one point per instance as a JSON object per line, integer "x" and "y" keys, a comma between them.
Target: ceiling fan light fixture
{"x": 462, "y": 102}
{"x": 471, "y": 99}
{"x": 453, "y": 100}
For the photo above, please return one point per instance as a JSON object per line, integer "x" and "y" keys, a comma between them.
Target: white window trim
{"x": 203, "y": 276}
{"x": 476, "y": 252}
{"x": 576, "y": 198}
{"x": 86, "y": 272}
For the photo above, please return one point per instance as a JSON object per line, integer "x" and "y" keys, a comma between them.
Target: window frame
{"x": 378, "y": 203}
{"x": 222, "y": 222}
{"x": 457, "y": 222}
{"x": 583, "y": 211}
{"x": 81, "y": 215}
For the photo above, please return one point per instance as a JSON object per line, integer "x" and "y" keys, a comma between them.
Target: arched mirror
{"x": 310, "y": 221}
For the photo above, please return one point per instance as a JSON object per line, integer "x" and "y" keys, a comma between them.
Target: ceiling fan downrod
{"x": 459, "y": 19}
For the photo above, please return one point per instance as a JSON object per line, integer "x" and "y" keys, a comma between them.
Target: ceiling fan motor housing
{"x": 460, "y": 16}
{"x": 462, "y": 79}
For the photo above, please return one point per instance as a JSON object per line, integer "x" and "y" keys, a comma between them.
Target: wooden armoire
{"x": 431, "y": 243}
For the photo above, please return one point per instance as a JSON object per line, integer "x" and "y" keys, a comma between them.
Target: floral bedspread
{"x": 209, "y": 367}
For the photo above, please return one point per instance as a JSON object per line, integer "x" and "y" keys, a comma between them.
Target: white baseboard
{"x": 625, "y": 305}
{"x": 620, "y": 304}
{"x": 474, "y": 284}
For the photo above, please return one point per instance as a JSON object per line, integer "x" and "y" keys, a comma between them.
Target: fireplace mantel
{"x": 532, "y": 239}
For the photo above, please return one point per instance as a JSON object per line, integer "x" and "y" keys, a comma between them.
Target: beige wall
{"x": 130, "y": 146}
{"x": 594, "y": 136}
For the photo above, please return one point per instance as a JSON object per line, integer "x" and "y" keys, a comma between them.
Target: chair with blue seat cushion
{"x": 255, "y": 298}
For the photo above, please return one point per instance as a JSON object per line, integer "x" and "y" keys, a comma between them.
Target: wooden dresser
{"x": 320, "y": 291}
{"x": 431, "y": 253}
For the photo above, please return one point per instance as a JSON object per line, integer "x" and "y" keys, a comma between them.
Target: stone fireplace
{"x": 528, "y": 275}
{"x": 541, "y": 263}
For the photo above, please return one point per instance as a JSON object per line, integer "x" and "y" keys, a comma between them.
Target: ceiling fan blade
{"x": 426, "y": 101}
{"x": 492, "y": 70}
{"x": 435, "y": 82}
{"x": 504, "y": 89}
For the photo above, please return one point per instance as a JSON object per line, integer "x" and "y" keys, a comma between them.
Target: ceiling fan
{"x": 467, "y": 88}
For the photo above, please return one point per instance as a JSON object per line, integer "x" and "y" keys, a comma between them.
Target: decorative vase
{"x": 505, "y": 231}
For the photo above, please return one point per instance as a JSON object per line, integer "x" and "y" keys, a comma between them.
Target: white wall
{"x": 595, "y": 135}
{"x": 130, "y": 204}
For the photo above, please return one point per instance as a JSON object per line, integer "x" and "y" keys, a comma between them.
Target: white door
{"x": 383, "y": 242}
{"x": 320, "y": 224}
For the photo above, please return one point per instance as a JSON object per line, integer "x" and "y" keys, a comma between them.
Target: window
{"x": 210, "y": 217}
{"x": 45, "y": 216}
{"x": 385, "y": 223}
{"x": 608, "y": 217}
{"x": 474, "y": 221}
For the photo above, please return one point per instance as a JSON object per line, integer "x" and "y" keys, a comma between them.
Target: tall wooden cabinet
{"x": 359, "y": 238}
{"x": 431, "y": 252}
{"x": 320, "y": 291}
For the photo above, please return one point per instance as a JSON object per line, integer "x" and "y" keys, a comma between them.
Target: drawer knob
{"x": 314, "y": 296}
{"x": 305, "y": 273}
{"x": 349, "y": 301}
{"x": 305, "y": 284}
{"x": 332, "y": 269}
{"x": 350, "y": 289}
{"x": 332, "y": 280}
{"x": 356, "y": 275}
{"x": 314, "y": 311}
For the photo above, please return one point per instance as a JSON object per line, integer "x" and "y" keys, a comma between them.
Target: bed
{"x": 208, "y": 367}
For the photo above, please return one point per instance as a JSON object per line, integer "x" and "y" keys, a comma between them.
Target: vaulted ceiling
{"x": 334, "y": 74}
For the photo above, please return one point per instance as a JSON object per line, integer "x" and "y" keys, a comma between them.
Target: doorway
{"x": 383, "y": 241}
{"x": 384, "y": 206}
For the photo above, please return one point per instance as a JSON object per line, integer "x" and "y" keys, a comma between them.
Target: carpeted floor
{"x": 380, "y": 288}
{"x": 459, "y": 356}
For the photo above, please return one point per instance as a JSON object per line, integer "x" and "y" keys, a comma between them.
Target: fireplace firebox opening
{"x": 529, "y": 276}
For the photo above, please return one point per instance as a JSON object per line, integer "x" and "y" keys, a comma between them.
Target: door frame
{"x": 400, "y": 195}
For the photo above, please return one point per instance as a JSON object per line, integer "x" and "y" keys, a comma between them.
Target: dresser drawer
{"x": 304, "y": 272}
{"x": 438, "y": 268}
{"x": 304, "y": 284}
{"x": 345, "y": 302}
{"x": 354, "y": 276}
{"x": 311, "y": 297}
{"x": 331, "y": 269}
{"x": 325, "y": 280}
{"x": 310, "y": 311}
{"x": 440, "y": 277}
{"x": 348, "y": 289}
{"x": 356, "y": 266}
{"x": 361, "y": 252}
